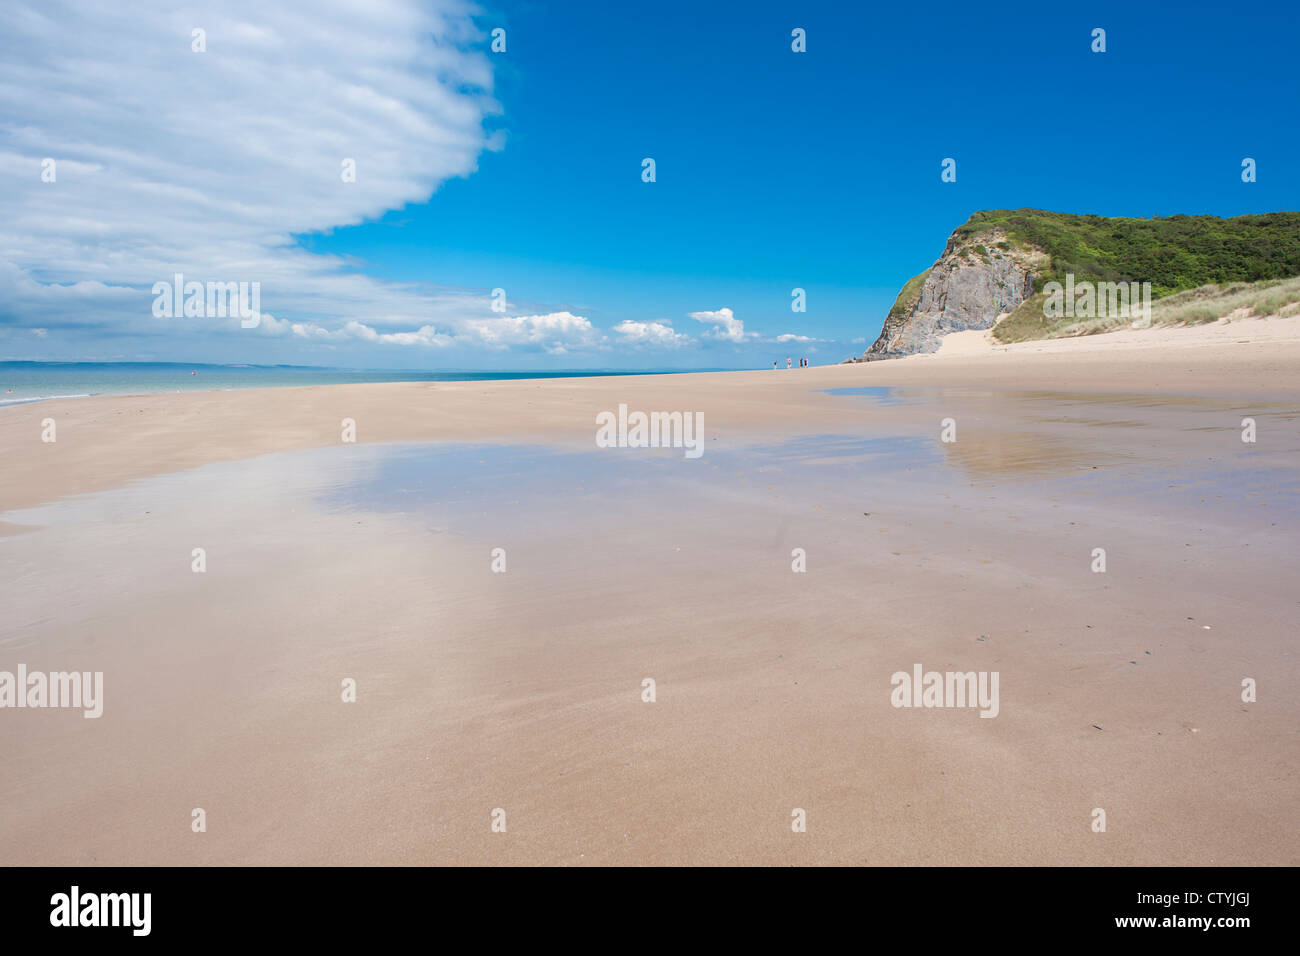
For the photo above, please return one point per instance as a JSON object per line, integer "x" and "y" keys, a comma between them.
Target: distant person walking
{"x": 788, "y": 362}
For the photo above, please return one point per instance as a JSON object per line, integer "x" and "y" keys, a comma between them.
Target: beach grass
{"x": 1198, "y": 306}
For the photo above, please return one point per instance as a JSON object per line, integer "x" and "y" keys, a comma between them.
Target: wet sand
{"x": 104, "y": 441}
{"x": 522, "y": 690}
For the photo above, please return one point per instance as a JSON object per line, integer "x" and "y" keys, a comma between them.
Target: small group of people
{"x": 789, "y": 363}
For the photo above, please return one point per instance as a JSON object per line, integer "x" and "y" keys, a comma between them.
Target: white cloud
{"x": 556, "y": 332}
{"x": 360, "y": 332}
{"x": 724, "y": 324}
{"x": 725, "y": 327}
{"x": 658, "y": 334}
{"x": 168, "y": 160}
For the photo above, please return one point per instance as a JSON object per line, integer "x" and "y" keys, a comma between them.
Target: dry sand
{"x": 523, "y": 691}
{"x": 1270, "y": 330}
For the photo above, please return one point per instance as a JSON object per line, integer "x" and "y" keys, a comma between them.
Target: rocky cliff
{"x": 980, "y": 276}
{"x": 995, "y": 260}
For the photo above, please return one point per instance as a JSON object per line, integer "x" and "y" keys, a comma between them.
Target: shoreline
{"x": 416, "y": 376}
{"x": 105, "y": 441}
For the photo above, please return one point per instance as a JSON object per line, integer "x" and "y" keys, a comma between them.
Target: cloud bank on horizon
{"x": 175, "y": 143}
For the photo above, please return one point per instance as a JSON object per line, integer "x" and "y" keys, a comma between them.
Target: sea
{"x": 23, "y": 382}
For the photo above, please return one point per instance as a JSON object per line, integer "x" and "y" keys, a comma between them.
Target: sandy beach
{"x": 522, "y": 690}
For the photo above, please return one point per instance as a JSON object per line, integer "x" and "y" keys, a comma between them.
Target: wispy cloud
{"x": 127, "y": 157}
{"x": 210, "y": 163}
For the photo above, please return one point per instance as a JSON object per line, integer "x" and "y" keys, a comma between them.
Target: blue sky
{"x": 522, "y": 170}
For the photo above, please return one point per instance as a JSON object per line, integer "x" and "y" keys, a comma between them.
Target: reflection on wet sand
{"x": 988, "y": 454}
{"x": 770, "y": 589}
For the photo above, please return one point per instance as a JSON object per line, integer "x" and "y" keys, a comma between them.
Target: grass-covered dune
{"x": 1205, "y": 303}
{"x": 1173, "y": 253}
{"x": 1176, "y": 254}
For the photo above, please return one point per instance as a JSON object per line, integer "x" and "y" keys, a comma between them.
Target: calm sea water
{"x": 37, "y": 381}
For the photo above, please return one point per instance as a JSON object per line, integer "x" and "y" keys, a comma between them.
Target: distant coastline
{"x": 24, "y": 382}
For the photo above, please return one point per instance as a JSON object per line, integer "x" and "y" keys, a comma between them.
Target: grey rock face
{"x": 968, "y": 288}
